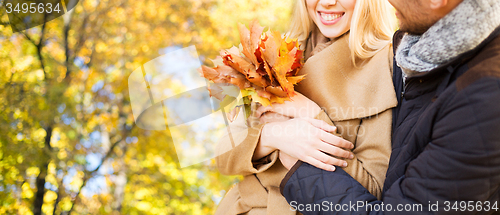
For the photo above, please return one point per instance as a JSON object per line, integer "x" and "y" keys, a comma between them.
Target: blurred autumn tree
{"x": 68, "y": 143}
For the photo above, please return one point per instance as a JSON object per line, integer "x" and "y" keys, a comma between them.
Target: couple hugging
{"x": 382, "y": 119}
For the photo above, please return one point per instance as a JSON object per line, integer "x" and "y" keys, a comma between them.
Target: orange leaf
{"x": 272, "y": 44}
{"x": 268, "y": 71}
{"x": 262, "y": 93}
{"x": 208, "y": 72}
{"x": 236, "y": 62}
{"x": 216, "y": 91}
{"x": 282, "y": 67}
{"x": 291, "y": 43}
{"x": 233, "y": 76}
{"x": 227, "y": 71}
{"x": 256, "y": 78}
{"x": 234, "y": 50}
{"x": 295, "y": 79}
{"x": 241, "y": 83}
{"x": 278, "y": 91}
{"x": 250, "y": 40}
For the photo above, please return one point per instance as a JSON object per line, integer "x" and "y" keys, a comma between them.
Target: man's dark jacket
{"x": 445, "y": 146}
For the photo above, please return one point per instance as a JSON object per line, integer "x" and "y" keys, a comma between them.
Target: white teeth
{"x": 330, "y": 17}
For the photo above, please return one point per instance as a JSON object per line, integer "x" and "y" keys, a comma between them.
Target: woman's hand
{"x": 299, "y": 107}
{"x": 272, "y": 117}
{"x": 308, "y": 140}
{"x": 287, "y": 160}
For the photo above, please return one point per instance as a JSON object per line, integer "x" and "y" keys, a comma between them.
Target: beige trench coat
{"x": 356, "y": 100}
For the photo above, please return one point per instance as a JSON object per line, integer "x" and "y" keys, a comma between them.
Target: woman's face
{"x": 333, "y": 17}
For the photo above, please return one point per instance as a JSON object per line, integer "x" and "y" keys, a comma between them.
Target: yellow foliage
{"x": 32, "y": 171}
{"x": 23, "y": 209}
{"x": 80, "y": 99}
{"x": 140, "y": 194}
{"x": 27, "y": 192}
{"x": 50, "y": 196}
{"x": 144, "y": 206}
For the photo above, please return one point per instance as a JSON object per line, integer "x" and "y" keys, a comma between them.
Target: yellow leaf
{"x": 263, "y": 101}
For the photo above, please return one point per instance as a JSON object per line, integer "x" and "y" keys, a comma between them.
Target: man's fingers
{"x": 335, "y": 151}
{"x": 320, "y": 124}
{"x": 319, "y": 164}
{"x": 327, "y": 159}
{"x": 335, "y": 140}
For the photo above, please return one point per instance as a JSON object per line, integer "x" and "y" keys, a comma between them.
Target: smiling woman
{"x": 356, "y": 16}
{"x": 340, "y": 117}
{"x": 332, "y": 17}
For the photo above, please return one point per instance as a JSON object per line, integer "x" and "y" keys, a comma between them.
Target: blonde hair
{"x": 372, "y": 25}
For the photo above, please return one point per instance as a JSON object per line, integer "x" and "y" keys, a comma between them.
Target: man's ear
{"x": 437, "y": 4}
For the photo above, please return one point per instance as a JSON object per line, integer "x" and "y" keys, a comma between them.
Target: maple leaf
{"x": 244, "y": 67}
{"x": 280, "y": 100}
{"x": 272, "y": 44}
{"x": 297, "y": 55}
{"x": 216, "y": 91}
{"x": 268, "y": 71}
{"x": 263, "y": 93}
{"x": 261, "y": 100}
{"x": 276, "y": 90}
{"x": 233, "y": 76}
{"x": 250, "y": 40}
{"x": 212, "y": 75}
{"x": 295, "y": 79}
{"x": 218, "y": 61}
{"x": 236, "y": 62}
{"x": 256, "y": 78}
{"x": 208, "y": 72}
{"x": 281, "y": 68}
{"x": 298, "y": 62}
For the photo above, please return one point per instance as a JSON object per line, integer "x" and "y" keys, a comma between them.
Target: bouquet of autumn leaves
{"x": 264, "y": 70}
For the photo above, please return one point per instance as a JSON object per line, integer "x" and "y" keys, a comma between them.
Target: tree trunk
{"x": 40, "y": 193}
{"x": 40, "y": 179}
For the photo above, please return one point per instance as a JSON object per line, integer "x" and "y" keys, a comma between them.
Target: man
{"x": 446, "y": 128}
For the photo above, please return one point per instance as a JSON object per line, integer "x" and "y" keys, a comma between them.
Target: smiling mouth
{"x": 330, "y": 16}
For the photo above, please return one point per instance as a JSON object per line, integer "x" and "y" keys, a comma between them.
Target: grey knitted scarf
{"x": 464, "y": 28}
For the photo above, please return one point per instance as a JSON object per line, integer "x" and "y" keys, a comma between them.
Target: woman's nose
{"x": 327, "y": 3}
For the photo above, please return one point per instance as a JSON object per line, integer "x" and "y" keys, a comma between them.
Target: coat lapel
{"x": 344, "y": 91}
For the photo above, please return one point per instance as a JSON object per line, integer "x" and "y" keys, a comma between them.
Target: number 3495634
{"x": 471, "y": 206}
{"x": 33, "y": 8}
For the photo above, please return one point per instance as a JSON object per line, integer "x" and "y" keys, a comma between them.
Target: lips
{"x": 330, "y": 18}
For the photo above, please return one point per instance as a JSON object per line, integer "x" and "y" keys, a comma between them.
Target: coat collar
{"x": 459, "y": 59}
{"x": 344, "y": 91}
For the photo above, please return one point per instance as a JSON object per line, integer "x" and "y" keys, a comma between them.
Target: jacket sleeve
{"x": 236, "y": 148}
{"x": 460, "y": 163}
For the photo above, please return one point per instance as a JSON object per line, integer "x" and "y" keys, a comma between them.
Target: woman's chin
{"x": 331, "y": 33}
